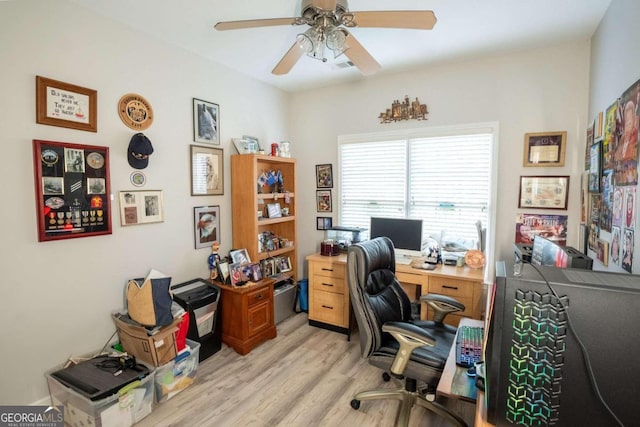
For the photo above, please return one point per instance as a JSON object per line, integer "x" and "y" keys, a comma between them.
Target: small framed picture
{"x": 324, "y": 222}
{"x": 223, "y": 271}
{"x": 544, "y": 192}
{"x": 323, "y": 200}
{"x": 207, "y": 174}
{"x": 273, "y": 210}
{"x": 285, "y": 264}
{"x": 268, "y": 267}
{"x": 544, "y": 148}
{"x": 206, "y": 220}
{"x": 255, "y": 272}
{"x": 66, "y": 105}
{"x": 206, "y": 122}
{"x": 141, "y": 207}
{"x": 253, "y": 145}
{"x": 595, "y": 167}
{"x": 236, "y": 274}
{"x": 324, "y": 176}
{"x": 240, "y": 256}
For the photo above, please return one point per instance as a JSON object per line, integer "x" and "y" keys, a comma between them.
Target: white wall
{"x": 531, "y": 91}
{"x": 615, "y": 65}
{"x": 59, "y": 295}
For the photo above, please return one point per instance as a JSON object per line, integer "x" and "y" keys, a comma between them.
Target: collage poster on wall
{"x": 552, "y": 227}
{"x": 625, "y": 152}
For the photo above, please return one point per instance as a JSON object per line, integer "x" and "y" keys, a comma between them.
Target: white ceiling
{"x": 465, "y": 28}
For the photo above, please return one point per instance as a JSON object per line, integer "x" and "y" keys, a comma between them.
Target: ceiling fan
{"x": 327, "y": 20}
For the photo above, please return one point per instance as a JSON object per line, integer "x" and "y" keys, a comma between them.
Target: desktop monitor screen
{"x": 541, "y": 325}
{"x": 406, "y": 234}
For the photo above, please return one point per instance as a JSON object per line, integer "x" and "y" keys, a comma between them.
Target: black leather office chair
{"x": 413, "y": 350}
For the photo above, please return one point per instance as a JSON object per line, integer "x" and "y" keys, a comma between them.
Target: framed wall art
{"x": 72, "y": 190}
{"x": 206, "y": 122}
{"x": 544, "y": 192}
{"x": 207, "y": 174}
{"x": 206, "y": 220}
{"x": 545, "y": 148}
{"x": 323, "y": 200}
{"x": 241, "y": 256}
{"x": 66, "y": 105}
{"x": 141, "y": 207}
{"x": 324, "y": 222}
{"x": 595, "y": 167}
{"x": 324, "y": 176}
{"x": 253, "y": 144}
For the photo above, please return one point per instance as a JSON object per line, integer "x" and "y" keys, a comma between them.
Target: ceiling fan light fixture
{"x": 336, "y": 38}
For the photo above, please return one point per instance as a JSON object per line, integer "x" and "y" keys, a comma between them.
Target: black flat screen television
{"x": 406, "y": 234}
{"x": 541, "y": 325}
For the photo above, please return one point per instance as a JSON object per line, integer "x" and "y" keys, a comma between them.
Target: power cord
{"x": 583, "y": 348}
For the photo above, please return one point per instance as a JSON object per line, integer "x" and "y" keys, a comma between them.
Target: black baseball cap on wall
{"x": 139, "y": 150}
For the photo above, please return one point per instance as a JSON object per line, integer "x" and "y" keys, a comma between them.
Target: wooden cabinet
{"x": 329, "y": 305}
{"x": 461, "y": 283}
{"x": 247, "y": 315}
{"x": 248, "y": 197}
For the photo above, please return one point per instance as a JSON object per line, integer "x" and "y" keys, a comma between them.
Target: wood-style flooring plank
{"x": 304, "y": 377}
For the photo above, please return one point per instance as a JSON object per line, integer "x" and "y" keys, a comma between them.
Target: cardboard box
{"x": 157, "y": 349}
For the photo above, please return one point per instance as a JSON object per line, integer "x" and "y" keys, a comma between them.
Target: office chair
{"x": 412, "y": 350}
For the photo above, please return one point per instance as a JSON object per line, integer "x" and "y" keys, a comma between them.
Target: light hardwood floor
{"x": 306, "y": 376}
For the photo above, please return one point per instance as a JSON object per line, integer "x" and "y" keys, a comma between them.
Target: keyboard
{"x": 469, "y": 345}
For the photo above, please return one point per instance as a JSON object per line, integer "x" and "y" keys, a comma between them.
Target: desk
{"x": 329, "y": 305}
{"x": 452, "y": 371}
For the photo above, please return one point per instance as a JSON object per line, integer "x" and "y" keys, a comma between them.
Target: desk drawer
{"x": 411, "y": 279}
{"x": 329, "y": 308}
{"x": 258, "y": 296}
{"x": 329, "y": 284}
{"x": 452, "y": 287}
{"x": 328, "y": 269}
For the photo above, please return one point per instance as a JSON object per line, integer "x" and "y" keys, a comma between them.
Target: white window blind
{"x": 443, "y": 180}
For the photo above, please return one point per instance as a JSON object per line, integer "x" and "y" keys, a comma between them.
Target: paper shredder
{"x": 200, "y": 299}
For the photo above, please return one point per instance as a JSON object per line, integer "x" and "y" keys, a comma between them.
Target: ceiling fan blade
{"x": 360, "y": 57}
{"x": 324, "y": 4}
{"x": 412, "y": 19}
{"x": 288, "y": 60}
{"x": 252, "y": 23}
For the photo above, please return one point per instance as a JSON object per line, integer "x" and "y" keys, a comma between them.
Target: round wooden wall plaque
{"x": 135, "y": 111}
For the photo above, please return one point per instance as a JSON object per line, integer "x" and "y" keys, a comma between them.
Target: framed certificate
{"x": 544, "y": 149}
{"x": 544, "y": 192}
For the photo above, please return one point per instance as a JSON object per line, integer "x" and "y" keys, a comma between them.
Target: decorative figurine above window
{"x": 404, "y": 110}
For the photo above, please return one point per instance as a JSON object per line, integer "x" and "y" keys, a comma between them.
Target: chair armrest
{"x": 441, "y": 305}
{"x": 411, "y": 331}
{"x": 409, "y": 337}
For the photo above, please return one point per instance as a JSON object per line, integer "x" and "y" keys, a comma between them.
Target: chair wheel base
{"x": 386, "y": 377}
{"x": 355, "y": 404}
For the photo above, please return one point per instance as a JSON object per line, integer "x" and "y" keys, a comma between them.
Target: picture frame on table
{"x": 240, "y": 256}
{"x": 141, "y": 207}
{"x": 206, "y": 122}
{"x": 236, "y": 274}
{"x": 544, "y": 192}
{"x": 324, "y": 222}
{"x": 544, "y": 149}
{"x": 273, "y": 210}
{"x": 252, "y": 143}
{"x": 72, "y": 201}
{"x": 207, "y": 171}
{"x": 66, "y": 105}
{"x": 206, "y": 226}
{"x": 324, "y": 176}
{"x": 323, "y": 201}
{"x": 223, "y": 271}
{"x": 284, "y": 264}
{"x": 268, "y": 267}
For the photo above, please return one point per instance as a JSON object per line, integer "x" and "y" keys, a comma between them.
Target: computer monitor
{"x": 406, "y": 234}
{"x": 538, "y": 326}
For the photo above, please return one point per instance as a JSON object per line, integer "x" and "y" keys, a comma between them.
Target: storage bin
{"x": 175, "y": 376}
{"x": 134, "y": 402}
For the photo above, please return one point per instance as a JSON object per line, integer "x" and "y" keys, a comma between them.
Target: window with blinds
{"x": 443, "y": 180}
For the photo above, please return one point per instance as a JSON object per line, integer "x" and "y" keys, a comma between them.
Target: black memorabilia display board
{"x": 72, "y": 190}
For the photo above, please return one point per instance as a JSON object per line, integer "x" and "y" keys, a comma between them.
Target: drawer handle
{"x": 259, "y": 296}
{"x": 450, "y": 287}
{"x": 327, "y": 306}
{"x": 327, "y": 284}
{"x": 327, "y": 269}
